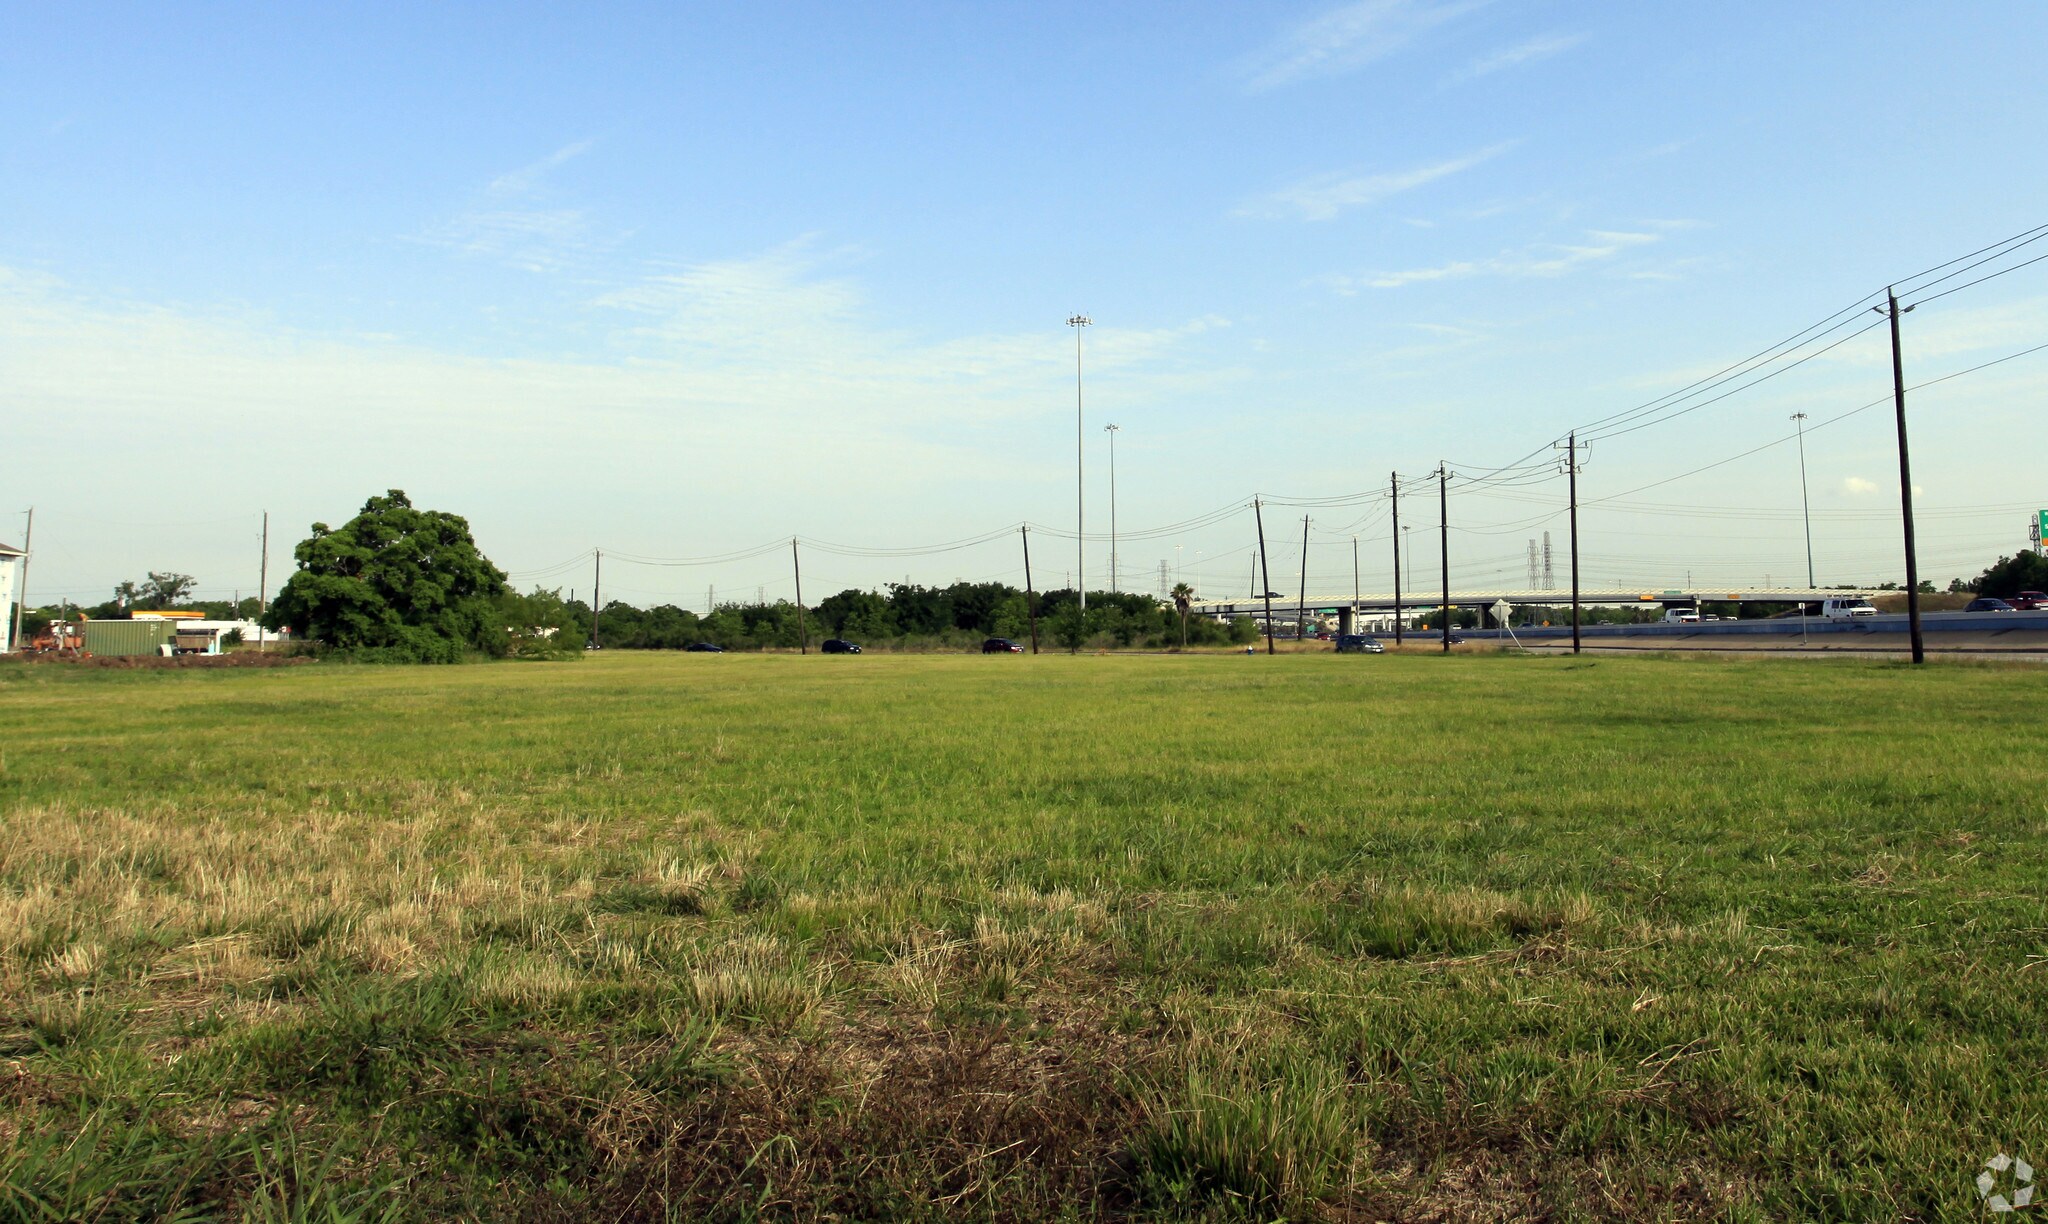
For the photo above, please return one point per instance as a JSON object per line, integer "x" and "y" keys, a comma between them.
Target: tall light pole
{"x": 1078, "y": 322}
{"x": 1806, "y": 508}
{"x": 1111, "y": 430}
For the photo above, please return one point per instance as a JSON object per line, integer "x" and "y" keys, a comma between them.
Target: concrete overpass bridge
{"x": 1350, "y": 611}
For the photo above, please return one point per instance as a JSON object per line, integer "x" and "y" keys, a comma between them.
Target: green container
{"x": 128, "y": 637}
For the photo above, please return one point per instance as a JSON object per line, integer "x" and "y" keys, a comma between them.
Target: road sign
{"x": 1502, "y": 610}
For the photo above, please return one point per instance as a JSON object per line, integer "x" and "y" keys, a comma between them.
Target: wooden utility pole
{"x": 1354, "y": 584}
{"x": 1394, "y": 491}
{"x": 1301, "y": 605}
{"x": 797, "y": 566}
{"x": 262, "y": 583}
{"x": 1891, "y": 307}
{"x": 1030, "y": 597}
{"x": 1443, "y": 525}
{"x": 1571, "y": 463}
{"x": 1266, "y": 571}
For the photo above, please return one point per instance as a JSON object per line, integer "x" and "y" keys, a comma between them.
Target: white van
{"x": 1682, "y": 616}
{"x": 1843, "y": 607}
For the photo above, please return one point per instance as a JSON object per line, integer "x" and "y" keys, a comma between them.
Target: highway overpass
{"x": 1347, "y": 608}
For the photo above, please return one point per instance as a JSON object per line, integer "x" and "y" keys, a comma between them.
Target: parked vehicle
{"x": 839, "y": 646}
{"x": 1844, "y": 607}
{"x": 1358, "y": 643}
{"x": 1001, "y": 646}
{"x": 1988, "y": 605}
{"x": 704, "y": 648}
{"x": 2030, "y": 601}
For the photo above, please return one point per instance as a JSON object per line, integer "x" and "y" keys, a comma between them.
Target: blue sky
{"x": 678, "y": 280}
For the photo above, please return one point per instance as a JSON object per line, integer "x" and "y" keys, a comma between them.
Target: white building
{"x": 12, "y": 561}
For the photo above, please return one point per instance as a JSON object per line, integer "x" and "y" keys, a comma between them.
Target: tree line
{"x": 400, "y": 584}
{"x": 908, "y": 616}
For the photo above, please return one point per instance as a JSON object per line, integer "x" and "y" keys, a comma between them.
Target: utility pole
{"x": 1571, "y": 467}
{"x": 28, "y": 536}
{"x": 1260, "y": 519}
{"x": 1805, "y": 507}
{"x": 1030, "y": 598}
{"x": 1078, "y": 322}
{"x": 263, "y": 583}
{"x": 1394, "y": 492}
{"x": 1891, "y": 307}
{"x": 1354, "y": 584}
{"x": 596, "y": 598}
{"x": 1443, "y": 525}
{"x": 1301, "y": 604}
{"x": 1114, "y": 564}
{"x": 803, "y": 632}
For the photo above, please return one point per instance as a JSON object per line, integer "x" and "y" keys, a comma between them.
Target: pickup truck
{"x": 2029, "y": 601}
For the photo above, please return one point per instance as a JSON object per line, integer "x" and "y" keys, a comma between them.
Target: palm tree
{"x": 1183, "y": 599}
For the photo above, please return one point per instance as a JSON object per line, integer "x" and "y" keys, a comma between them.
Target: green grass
{"x": 731, "y": 937}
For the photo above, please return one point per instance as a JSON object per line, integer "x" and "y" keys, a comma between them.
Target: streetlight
{"x": 1111, "y": 430}
{"x": 1799, "y": 422}
{"x": 1408, "y": 546}
{"x": 1078, "y": 322}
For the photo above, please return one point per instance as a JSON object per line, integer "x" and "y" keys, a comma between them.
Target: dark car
{"x": 1988, "y": 605}
{"x": 1358, "y": 643}
{"x": 839, "y": 646}
{"x": 1001, "y": 646}
{"x": 704, "y": 648}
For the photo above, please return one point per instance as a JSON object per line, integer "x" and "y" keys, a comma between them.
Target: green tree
{"x": 1183, "y": 600}
{"x": 395, "y": 583}
{"x": 2008, "y": 576}
{"x": 541, "y": 625}
{"x": 166, "y": 589}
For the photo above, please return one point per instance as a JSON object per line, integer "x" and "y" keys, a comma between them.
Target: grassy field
{"x": 727, "y": 937}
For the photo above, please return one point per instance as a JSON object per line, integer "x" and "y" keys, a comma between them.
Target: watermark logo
{"x": 2005, "y": 1183}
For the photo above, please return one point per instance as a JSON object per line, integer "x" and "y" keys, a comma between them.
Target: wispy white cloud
{"x": 1325, "y": 196}
{"x": 1522, "y": 53}
{"x": 765, "y": 371}
{"x": 1345, "y": 39}
{"x": 1538, "y": 260}
{"x": 523, "y": 180}
{"x": 510, "y": 221}
{"x": 1856, "y": 486}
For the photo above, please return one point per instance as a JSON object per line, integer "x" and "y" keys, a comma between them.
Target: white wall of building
{"x": 10, "y": 582}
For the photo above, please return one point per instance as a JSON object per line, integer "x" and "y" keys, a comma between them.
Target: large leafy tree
{"x": 2008, "y": 576}
{"x": 396, "y": 582}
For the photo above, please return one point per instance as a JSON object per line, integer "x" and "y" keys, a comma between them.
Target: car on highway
{"x": 1358, "y": 643}
{"x": 1988, "y": 605}
{"x": 1851, "y": 607}
{"x": 2030, "y": 601}
{"x": 1001, "y": 646}
{"x": 704, "y": 648}
{"x": 839, "y": 646}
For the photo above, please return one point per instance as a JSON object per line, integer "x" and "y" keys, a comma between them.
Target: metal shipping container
{"x": 128, "y": 637}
